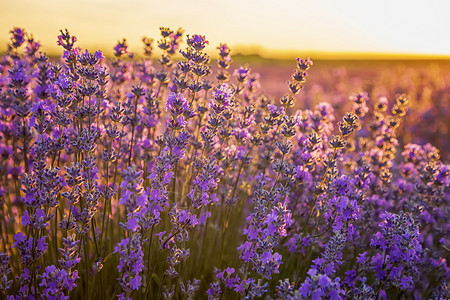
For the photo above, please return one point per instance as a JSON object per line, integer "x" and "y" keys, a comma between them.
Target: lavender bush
{"x": 171, "y": 178}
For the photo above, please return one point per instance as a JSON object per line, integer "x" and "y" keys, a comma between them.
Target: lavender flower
{"x": 131, "y": 265}
{"x": 133, "y": 196}
{"x": 198, "y": 42}
{"x": 5, "y": 270}
{"x": 55, "y": 282}
{"x": 30, "y": 249}
{"x": 121, "y": 48}
{"x": 18, "y": 37}
{"x": 222, "y": 99}
{"x": 398, "y": 240}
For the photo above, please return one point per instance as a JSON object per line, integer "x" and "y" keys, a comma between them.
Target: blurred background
{"x": 381, "y": 47}
{"x": 327, "y": 29}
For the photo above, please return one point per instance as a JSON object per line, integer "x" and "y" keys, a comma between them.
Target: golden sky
{"x": 271, "y": 27}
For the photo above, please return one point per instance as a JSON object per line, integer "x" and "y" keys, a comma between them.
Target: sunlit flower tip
{"x": 221, "y": 99}
{"x": 177, "y": 104}
{"x": 304, "y": 64}
{"x": 147, "y": 41}
{"x": 401, "y": 100}
{"x": 241, "y": 73}
{"x": 224, "y": 50}
{"x": 148, "y": 48}
{"x": 198, "y": 42}
{"x": 360, "y": 98}
{"x": 18, "y": 37}
{"x": 32, "y": 46}
{"x": 66, "y": 40}
{"x": 99, "y": 54}
{"x": 89, "y": 59}
{"x": 299, "y": 76}
{"x": 121, "y": 48}
{"x": 165, "y": 31}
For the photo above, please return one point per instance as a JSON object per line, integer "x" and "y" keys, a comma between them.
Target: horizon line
{"x": 340, "y": 55}
{"x": 263, "y": 53}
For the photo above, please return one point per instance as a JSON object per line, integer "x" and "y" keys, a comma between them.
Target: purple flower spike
{"x": 18, "y": 37}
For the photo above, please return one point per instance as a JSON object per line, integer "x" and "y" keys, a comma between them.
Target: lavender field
{"x": 167, "y": 174}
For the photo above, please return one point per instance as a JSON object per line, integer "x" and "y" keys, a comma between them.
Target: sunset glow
{"x": 272, "y": 29}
